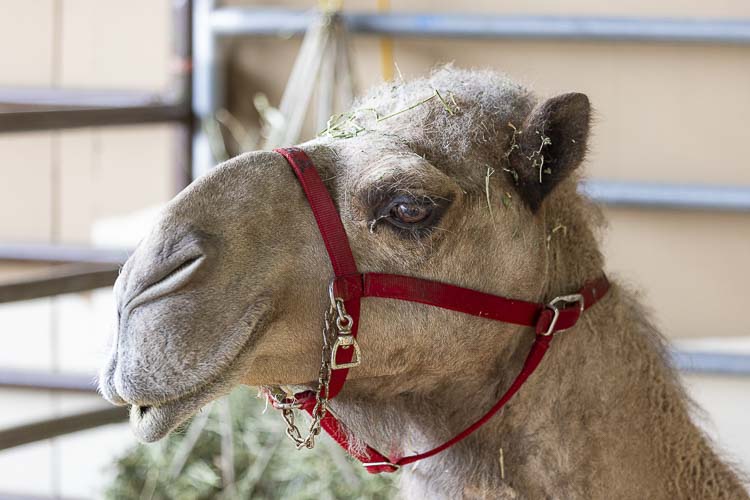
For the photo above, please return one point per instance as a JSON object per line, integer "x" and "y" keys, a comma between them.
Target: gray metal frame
{"x": 86, "y": 268}
{"x": 69, "y": 278}
{"x": 69, "y": 254}
{"x": 673, "y": 196}
{"x": 235, "y": 21}
{"x": 59, "y": 426}
{"x": 27, "y": 109}
{"x": 212, "y": 25}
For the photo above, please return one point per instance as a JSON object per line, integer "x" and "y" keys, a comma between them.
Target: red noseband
{"x": 349, "y": 286}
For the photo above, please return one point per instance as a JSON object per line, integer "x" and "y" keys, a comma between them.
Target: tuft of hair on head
{"x": 549, "y": 145}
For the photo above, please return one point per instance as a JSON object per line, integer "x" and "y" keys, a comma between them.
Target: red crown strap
{"x": 336, "y": 242}
{"x": 327, "y": 217}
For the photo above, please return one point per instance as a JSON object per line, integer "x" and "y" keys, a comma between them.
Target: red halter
{"x": 350, "y": 286}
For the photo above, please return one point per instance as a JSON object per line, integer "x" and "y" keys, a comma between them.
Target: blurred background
{"x": 109, "y": 108}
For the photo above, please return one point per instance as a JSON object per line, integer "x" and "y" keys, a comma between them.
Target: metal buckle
{"x": 281, "y": 401}
{"x": 345, "y": 342}
{"x": 331, "y": 294}
{"x": 344, "y": 338}
{"x": 567, "y": 299}
{"x": 377, "y": 464}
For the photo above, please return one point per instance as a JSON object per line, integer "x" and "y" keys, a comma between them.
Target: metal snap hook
{"x": 567, "y": 299}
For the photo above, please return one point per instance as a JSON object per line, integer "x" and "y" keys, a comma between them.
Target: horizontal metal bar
{"x": 24, "y": 121}
{"x": 4, "y": 495}
{"x": 711, "y": 362}
{"x": 62, "y": 253}
{"x": 18, "y": 97}
{"x": 233, "y": 21}
{"x": 47, "y": 381}
{"x": 70, "y": 278}
{"x": 690, "y": 196}
{"x": 54, "y": 427}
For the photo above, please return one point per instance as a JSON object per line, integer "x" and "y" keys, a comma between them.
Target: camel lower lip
{"x": 151, "y": 423}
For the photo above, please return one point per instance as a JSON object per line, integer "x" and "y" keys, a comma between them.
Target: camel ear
{"x": 550, "y": 144}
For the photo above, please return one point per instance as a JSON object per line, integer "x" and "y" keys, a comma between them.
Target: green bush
{"x": 235, "y": 450}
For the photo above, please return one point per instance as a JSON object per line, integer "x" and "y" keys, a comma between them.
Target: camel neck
{"x": 564, "y": 435}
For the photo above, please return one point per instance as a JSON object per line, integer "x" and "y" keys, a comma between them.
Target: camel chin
{"x": 152, "y": 423}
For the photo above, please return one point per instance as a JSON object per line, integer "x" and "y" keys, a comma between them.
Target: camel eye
{"x": 410, "y": 213}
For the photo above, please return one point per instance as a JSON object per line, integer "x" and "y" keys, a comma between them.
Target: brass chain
{"x": 321, "y": 392}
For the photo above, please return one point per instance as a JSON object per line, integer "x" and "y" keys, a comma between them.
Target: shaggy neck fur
{"x": 581, "y": 427}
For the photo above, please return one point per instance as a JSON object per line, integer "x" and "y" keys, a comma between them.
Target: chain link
{"x": 321, "y": 392}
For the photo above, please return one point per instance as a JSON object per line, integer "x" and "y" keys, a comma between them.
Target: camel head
{"x": 445, "y": 178}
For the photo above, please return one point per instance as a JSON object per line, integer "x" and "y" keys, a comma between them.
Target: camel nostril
{"x": 189, "y": 262}
{"x": 168, "y": 280}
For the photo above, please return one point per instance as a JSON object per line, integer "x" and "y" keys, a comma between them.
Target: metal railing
{"x": 259, "y": 21}
{"x": 24, "y": 110}
{"x": 213, "y": 25}
{"x": 78, "y": 269}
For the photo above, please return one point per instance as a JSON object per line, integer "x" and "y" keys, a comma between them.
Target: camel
{"x": 463, "y": 177}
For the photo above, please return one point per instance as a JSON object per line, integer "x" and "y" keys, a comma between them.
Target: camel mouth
{"x": 155, "y": 421}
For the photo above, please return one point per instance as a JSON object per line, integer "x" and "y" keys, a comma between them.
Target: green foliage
{"x": 265, "y": 463}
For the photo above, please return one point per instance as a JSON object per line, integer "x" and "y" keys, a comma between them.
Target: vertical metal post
{"x": 209, "y": 90}
{"x": 182, "y": 46}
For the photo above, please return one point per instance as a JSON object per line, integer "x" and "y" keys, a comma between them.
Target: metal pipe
{"x": 679, "y": 196}
{"x": 29, "y": 120}
{"x": 183, "y": 50}
{"x": 46, "y": 98}
{"x": 235, "y": 21}
{"x": 62, "y": 253}
{"x": 59, "y": 426}
{"x": 208, "y": 82}
{"x": 711, "y": 362}
{"x": 47, "y": 381}
{"x": 64, "y": 279}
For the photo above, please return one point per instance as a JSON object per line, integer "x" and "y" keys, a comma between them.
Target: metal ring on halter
{"x": 331, "y": 293}
{"x": 344, "y": 322}
{"x": 381, "y": 464}
{"x": 567, "y": 299}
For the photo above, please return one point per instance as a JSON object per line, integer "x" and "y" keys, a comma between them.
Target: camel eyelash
{"x": 384, "y": 214}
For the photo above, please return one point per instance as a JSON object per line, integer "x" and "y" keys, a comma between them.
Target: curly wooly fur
{"x": 230, "y": 287}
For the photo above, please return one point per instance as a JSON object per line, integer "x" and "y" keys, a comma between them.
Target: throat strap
{"x": 542, "y": 319}
{"x": 350, "y": 286}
